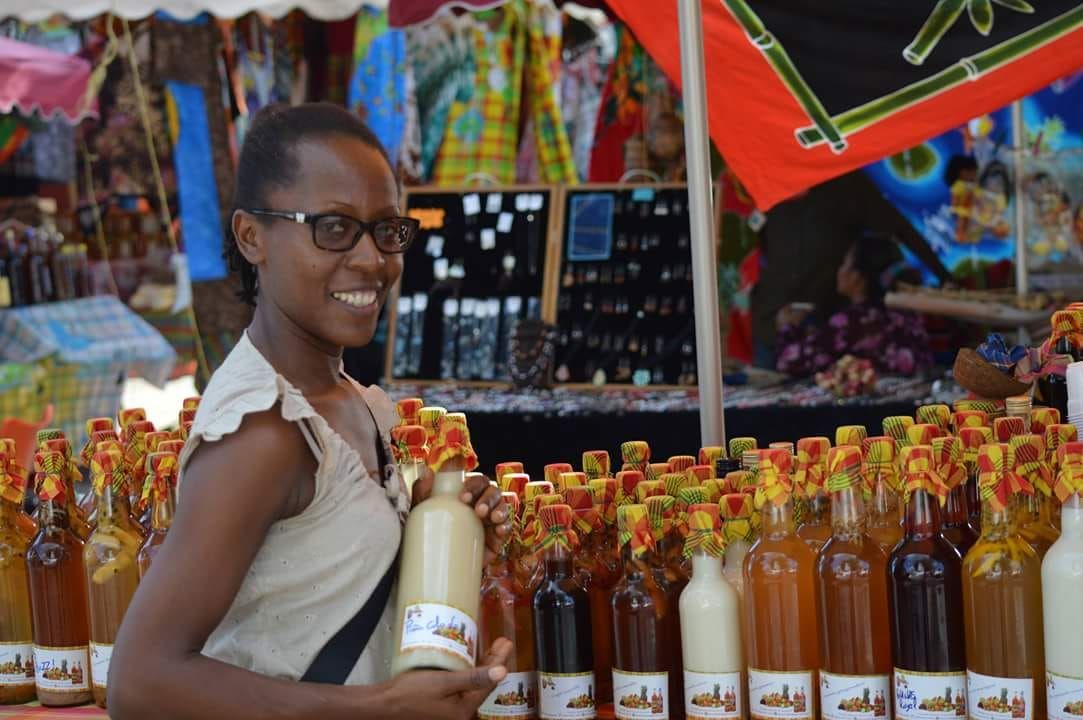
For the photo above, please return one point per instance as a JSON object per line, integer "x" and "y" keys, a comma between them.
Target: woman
{"x": 290, "y": 511}
{"x": 895, "y": 342}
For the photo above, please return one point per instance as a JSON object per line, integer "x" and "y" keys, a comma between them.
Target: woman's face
{"x": 334, "y": 297}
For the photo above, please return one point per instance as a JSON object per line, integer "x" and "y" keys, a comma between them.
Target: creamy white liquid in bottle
{"x": 711, "y": 642}
{"x": 1062, "y": 588}
{"x": 442, "y": 550}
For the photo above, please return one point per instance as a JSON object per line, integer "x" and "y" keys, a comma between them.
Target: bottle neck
{"x": 558, "y": 561}
{"x": 997, "y": 524}
{"x": 956, "y": 509}
{"x": 448, "y": 484}
{"x": 819, "y": 509}
{"x": 161, "y": 514}
{"x": 847, "y": 513}
{"x": 922, "y": 515}
{"x": 705, "y": 567}
{"x": 9, "y": 513}
{"x": 735, "y": 553}
{"x": 113, "y": 508}
{"x": 777, "y": 519}
{"x": 53, "y": 515}
{"x": 634, "y": 567}
{"x": 1071, "y": 518}
{"x": 884, "y": 501}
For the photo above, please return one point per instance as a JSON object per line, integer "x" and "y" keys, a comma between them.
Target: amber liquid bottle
{"x": 957, "y": 527}
{"x": 855, "y": 675}
{"x": 56, "y": 442}
{"x": 927, "y": 636}
{"x": 112, "y": 573}
{"x": 1002, "y": 596}
{"x": 162, "y": 481}
{"x": 16, "y": 637}
{"x": 562, "y": 634}
{"x": 642, "y": 645}
{"x": 669, "y": 567}
{"x": 58, "y": 595}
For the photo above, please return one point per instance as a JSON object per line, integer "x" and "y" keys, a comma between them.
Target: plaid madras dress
{"x": 552, "y": 149}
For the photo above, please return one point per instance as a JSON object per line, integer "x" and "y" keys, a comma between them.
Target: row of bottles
{"x": 68, "y": 576}
{"x": 38, "y": 266}
{"x": 893, "y": 576}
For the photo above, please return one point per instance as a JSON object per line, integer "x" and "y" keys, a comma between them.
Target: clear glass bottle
{"x": 672, "y": 576}
{"x": 811, "y": 504}
{"x": 410, "y": 450}
{"x": 58, "y": 597}
{"x": 855, "y": 635}
{"x": 161, "y": 491}
{"x": 109, "y": 559}
{"x": 947, "y": 452}
{"x": 1035, "y": 520}
{"x": 440, "y": 569}
{"x": 885, "y": 521}
{"x": 1002, "y": 597}
{"x": 1062, "y": 586}
{"x": 737, "y": 528}
{"x": 609, "y": 567}
{"x": 972, "y": 438}
{"x": 16, "y": 634}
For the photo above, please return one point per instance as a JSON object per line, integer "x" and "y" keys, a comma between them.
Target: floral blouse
{"x": 895, "y": 342}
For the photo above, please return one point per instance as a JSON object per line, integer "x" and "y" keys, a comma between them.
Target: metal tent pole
{"x": 1022, "y": 280}
{"x": 701, "y": 221}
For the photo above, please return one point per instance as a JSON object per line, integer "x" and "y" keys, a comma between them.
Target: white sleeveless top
{"x": 315, "y": 570}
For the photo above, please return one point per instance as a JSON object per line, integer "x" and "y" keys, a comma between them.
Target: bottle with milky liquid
{"x": 1035, "y": 510}
{"x": 440, "y": 564}
{"x": 947, "y": 454}
{"x": 109, "y": 559}
{"x": 58, "y": 596}
{"x": 16, "y": 635}
{"x": 1002, "y": 596}
{"x": 607, "y": 552}
{"x": 642, "y": 639}
{"x": 783, "y": 644}
{"x": 671, "y": 577}
{"x": 710, "y": 625}
{"x": 736, "y": 511}
{"x": 924, "y": 578}
{"x": 812, "y": 506}
{"x": 1062, "y": 586}
{"x": 851, "y": 583}
{"x": 160, "y": 490}
{"x": 408, "y": 444}
{"x": 881, "y": 476}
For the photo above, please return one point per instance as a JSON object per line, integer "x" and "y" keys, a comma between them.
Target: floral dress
{"x": 895, "y": 342}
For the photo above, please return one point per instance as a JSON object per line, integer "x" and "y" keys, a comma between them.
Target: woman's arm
{"x": 234, "y": 490}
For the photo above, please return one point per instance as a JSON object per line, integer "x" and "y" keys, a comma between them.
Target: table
{"x": 33, "y": 711}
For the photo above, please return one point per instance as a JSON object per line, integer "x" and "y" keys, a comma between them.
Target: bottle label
{"x": 929, "y": 696}
{"x": 708, "y": 696}
{"x": 781, "y": 694}
{"x": 5, "y": 292}
{"x": 843, "y": 697}
{"x": 16, "y": 664}
{"x": 515, "y": 697}
{"x": 431, "y": 626}
{"x": 62, "y": 669}
{"x": 1065, "y": 695}
{"x": 994, "y": 698}
{"x": 566, "y": 697}
{"x": 640, "y": 695}
{"x": 100, "y": 655}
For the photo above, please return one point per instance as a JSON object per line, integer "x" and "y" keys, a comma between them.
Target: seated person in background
{"x": 895, "y": 342}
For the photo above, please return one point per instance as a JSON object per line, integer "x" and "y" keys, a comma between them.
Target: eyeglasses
{"x": 341, "y": 233}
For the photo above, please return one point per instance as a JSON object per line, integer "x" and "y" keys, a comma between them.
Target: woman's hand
{"x": 485, "y": 498}
{"x": 447, "y": 695}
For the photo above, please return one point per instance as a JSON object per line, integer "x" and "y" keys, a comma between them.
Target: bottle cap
{"x": 452, "y": 444}
{"x": 636, "y": 453}
{"x": 690, "y": 496}
{"x": 897, "y": 428}
{"x": 94, "y": 425}
{"x": 775, "y": 484}
{"x": 429, "y": 418}
{"x": 581, "y": 501}
{"x": 740, "y": 445}
{"x": 972, "y": 438}
{"x": 811, "y": 465}
{"x": 919, "y": 472}
{"x": 515, "y": 483}
{"x": 567, "y": 480}
{"x": 736, "y": 510}
{"x": 162, "y": 469}
{"x": 948, "y": 456}
{"x": 1027, "y": 455}
{"x": 154, "y": 439}
{"x": 130, "y": 415}
{"x": 655, "y": 471}
{"x": 704, "y": 531}
{"x": 880, "y": 460}
{"x": 190, "y": 403}
{"x": 409, "y": 411}
{"x": 47, "y": 434}
{"x": 680, "y": 463}
{"x": 713, "y": 490}
{"x": 634, "y": 529}
{"x": 661, "y": 509}
{"x": 785, "y": 446}
{"x": 649, "y": 488}
{"x": 173, "y": 446}
{"x": 698, "y": 474}
{"x": 627, "y": 482}
{"x": 12, "y": 477}
{"x": 738, "y": 480}
{"x": 968, "y": 419}
{"x": 850, "y": 435}
{"x": 504, "y": 468}
{"x": 107, "y": 469}
{"x": 408, "y": 443}
{"x": 1042, "y": 417}
{"x": 1070, "y": 473}
{"x": 604, "y": 491}
{"x": 1005, "y": 428}
{"x": 1056, "y": 436}
{"x": 709, "y": 455}
{"x": 556, "y": 527}
{"x": 922, "y": 434}
{"x": 939, "y": 415}
{"x": 49, "y": 480}
{"x": 596, "y": 464}
{"x": 844, "y": 468}
{"x": 674, "y": 482}
{"x": 534, "y": 489}
{"x": 997, "y": 480}
{"x": 552, "y": 471}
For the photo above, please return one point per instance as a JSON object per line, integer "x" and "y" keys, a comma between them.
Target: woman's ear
{"x": 249, "y": 240}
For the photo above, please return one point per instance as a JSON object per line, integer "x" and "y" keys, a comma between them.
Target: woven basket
{"x": 984, "y": 380}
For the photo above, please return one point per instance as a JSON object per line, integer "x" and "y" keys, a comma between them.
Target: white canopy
{"x": 36, "y": 10}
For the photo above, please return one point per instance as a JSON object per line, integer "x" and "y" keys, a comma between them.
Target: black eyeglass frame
{"x": 311, "y": 219}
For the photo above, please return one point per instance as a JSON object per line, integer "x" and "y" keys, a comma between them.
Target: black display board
{"x": 624, "y": 303}
{"x": 481, "y": 254}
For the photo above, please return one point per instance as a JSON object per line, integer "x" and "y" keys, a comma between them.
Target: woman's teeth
{"x": 356, "y": 299}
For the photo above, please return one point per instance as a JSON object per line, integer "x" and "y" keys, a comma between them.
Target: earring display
{"x": 624, "y": 301}
{"x": 475, "y": 269}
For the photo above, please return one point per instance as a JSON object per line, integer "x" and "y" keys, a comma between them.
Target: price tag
{"x": 494, "y": 203}
{"x": 522, "y": 202}
{"x": 435, "y": 246}
{"x": 471, "y": 204}
{"x": 439, "y": 268}
{"x": 503, "y": 223}
{"x": 488, "y": 239}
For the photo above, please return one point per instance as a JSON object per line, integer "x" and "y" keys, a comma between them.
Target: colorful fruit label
{"x": 708, "y": 696}
{"x": 1065, "y": 696}
{"x": 432, "y": 626}
{"x": 515, "y": 697}
{"x": 62, "y": 669}
{"x": 566, "y": 696}
{"x": 929, "y": 696}
{"x": 16, "y": 664}
{"x": 781, "y": 694}
{"x": 100, "y": 655}
{"x": 994, "y": 698}
{"x": 843, "y": 697}
{"x": 640, "y": 695}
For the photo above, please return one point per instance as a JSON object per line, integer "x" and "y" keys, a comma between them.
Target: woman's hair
{"x": 880, "y": 262}
{"x": 269, "y": 162}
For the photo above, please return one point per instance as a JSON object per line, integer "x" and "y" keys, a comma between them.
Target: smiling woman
{"x": 271, "y": 596}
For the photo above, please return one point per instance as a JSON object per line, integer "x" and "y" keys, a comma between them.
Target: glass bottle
{"x": 710, "y": 625}
{"x": 812, "y": 506}
{"x": 1062, "y": 586}
{"x": 672, "y": 577}
{"x": 1002, "y": 596}
{"x": 1035, "y": 520}
{"x": 596, "y": 464}
{"x": 58, "y": 597}
{"x": 783, "y": 644}
{"x": 56, "y": 442}
{"x": 972, "y": 439}
{"x": 408, "y": 446}
{"x": 736, "y": 511}
{"x": 882, "y": 480}
{"x": 607, "y": 552}
{"x": 562, "y": 633}
{"x": 135, "y": 462}
{"x": 15, "y": 473}
{"x": 529, "y": 566}
{"x": 98, "y": 430}
{"x": 947, "y": 453}
{"x": 642, "y": 644}
{"x": 16, "y": 634}
{"x": 507, "y": 611}
{"x": 440, "y": 571}
{"x": 851, "y": 582}
{"x": 160, "y": 489}
{"x": 109, "y": 559}
{"x": 924, "y": 574}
